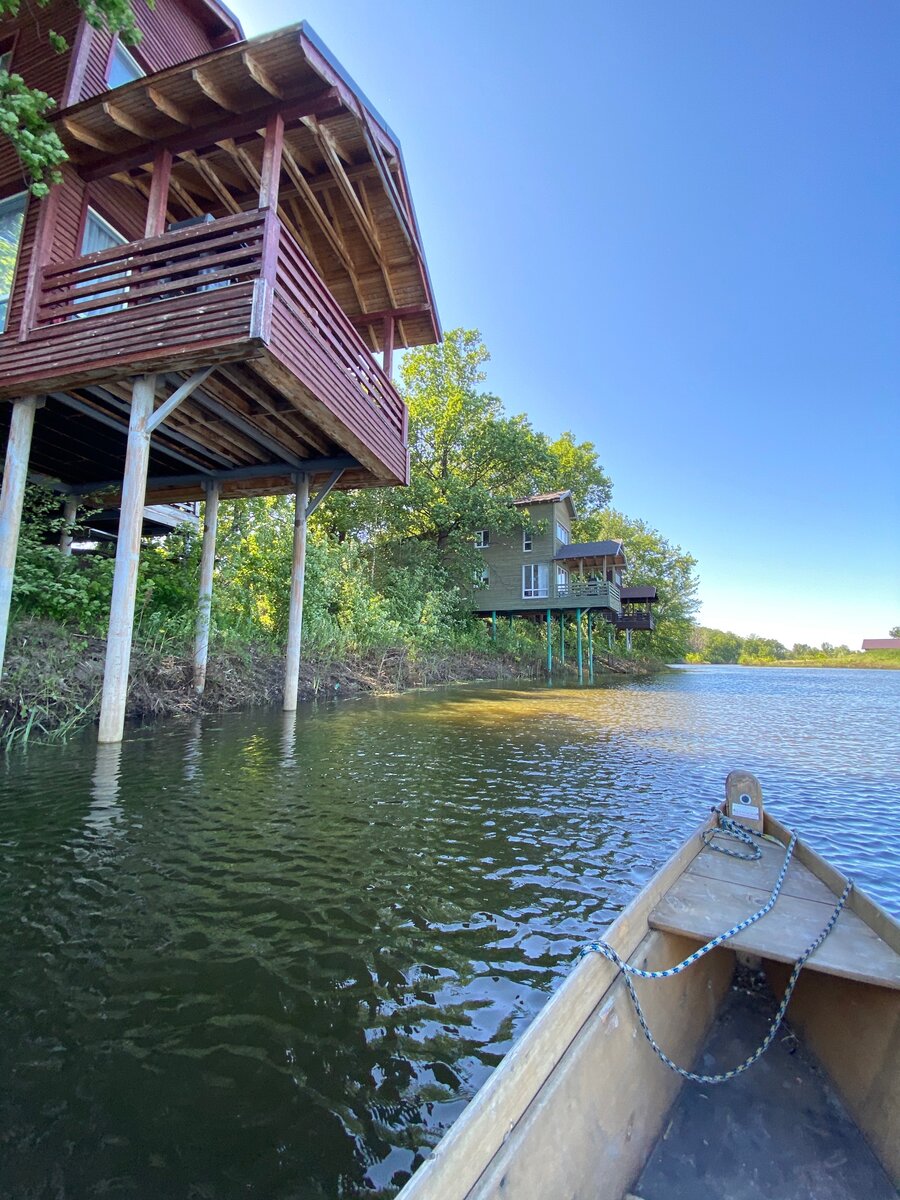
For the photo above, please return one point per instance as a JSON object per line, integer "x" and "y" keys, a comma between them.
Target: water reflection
{"x": 314, "y": 935}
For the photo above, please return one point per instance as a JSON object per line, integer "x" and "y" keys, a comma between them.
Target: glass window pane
{"x": 12, "y": 214}
{"x": 100, "y": 235}
{"x": 122, "y": 67}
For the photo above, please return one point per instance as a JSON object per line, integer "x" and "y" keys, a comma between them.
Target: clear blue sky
{"x": 677, "y": 226}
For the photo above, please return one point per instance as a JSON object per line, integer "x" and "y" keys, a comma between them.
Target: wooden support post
{"x": 549, "y": 642}
{"x": 387, "y": 343}
{"x": 493, "y": 626}
{"x": 158, "y": 200}
{"x": 590, "y": 646}
{"x": 207, "y": 565}
{"x": 70, "y": 513}
{"x": 15, "y": 474}
{"x": 128, "y": 552}
{"x": 270, "y": 173}
{"x": 580, "y": 663}
{"x": 628, "y": 640}
{"x": 295, "y": 617}
{"x": 562, "y": 637}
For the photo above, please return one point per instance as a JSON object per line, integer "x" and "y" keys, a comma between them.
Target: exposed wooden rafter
{"x": 212, "y": 91}
{"x": 206, "y": 172}
{"x": 260, "y": 76}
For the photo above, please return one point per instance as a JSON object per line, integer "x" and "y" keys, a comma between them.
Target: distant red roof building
{"x": 881, "y": 644}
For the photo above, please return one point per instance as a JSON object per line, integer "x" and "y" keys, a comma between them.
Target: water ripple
{"x": 276, "y": 957}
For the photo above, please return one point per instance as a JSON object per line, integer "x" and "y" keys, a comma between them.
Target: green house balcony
{"x": 576, "y": 594}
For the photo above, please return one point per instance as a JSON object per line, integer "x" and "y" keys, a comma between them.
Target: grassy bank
{"x": 886, "y": 660}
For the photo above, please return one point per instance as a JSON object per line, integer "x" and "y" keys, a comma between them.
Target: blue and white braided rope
{"x": 628, "y": 970}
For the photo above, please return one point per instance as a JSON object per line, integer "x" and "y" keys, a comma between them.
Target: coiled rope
{"x": 727, "y": 828}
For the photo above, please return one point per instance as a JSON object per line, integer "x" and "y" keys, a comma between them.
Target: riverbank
{"x": 53, "y": 677}
{"x": 878, "y": 660}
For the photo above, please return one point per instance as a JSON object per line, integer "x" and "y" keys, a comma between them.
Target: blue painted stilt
{"x": 590, "y": 646}
{"x": 562, "y": 637}
{"x": 580, "y": 663}
{"x": 549, "y": 644}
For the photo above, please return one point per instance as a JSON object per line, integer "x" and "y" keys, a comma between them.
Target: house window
{"x": 483, "y": 578}
{"x": 12, "y": 214}
{"x": 123, "y": 67}
{"x": 562, "y": 581}
{"x": 100, "y": 235}
{"x": 562, "y": 534}
{"x": 482, "y": 539}
{"x": 527, "y": 541}
{"x": 535, "y": 581}
{"x": 5, "y": 60}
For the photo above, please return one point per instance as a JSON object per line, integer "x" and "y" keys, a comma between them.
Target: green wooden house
{"x": 539, "y": 568}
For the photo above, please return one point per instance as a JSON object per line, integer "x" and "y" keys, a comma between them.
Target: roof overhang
{"x": 593, "y": 554}
{"x": 344, "y": 189}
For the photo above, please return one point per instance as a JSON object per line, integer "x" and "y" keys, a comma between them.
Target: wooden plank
{"x": 590, "y": 1128}
{"x": 762, "y": 873}
{"x": 702, "y": 907}
{"x": 854, "y": 1031}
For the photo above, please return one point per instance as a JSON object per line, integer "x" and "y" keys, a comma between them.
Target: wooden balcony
{"x": 636, "y": 620}
{"x": 593, "y": 594}
{"x": 234, "y": 290}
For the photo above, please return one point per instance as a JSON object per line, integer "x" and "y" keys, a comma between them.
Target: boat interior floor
{"x": 778, "y": 1130}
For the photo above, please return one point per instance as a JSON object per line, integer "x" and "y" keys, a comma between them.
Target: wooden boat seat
{"x": 717, "y": 892}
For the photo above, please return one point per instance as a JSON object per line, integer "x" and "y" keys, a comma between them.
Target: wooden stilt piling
{"x": 207, "y": 566}
{"x": 549, "y": 642}
{"x": 70, "y": 515}
{"x": 15, "y": 474}
{"x": 128, "y": 551}
{"x": 590, "y": 646}
{"x": 295, "y": 618}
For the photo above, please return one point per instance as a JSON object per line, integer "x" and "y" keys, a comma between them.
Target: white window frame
{"x": 483, "y": 578}
{"x": 120, "y": 240}
{"x": 482, "y": 539}
{"x": 562, "y": 581}
{"x": 527, "y": 541}
{"x": 562, "y": 534}
{"x": 10, "y": 202}
{"x": 532, "y": 587}
{"x": 121, "y": 51}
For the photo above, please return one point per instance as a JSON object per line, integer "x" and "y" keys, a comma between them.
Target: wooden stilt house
{"x": 196, "y": 311}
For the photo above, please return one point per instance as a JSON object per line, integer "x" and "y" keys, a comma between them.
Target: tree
{"x": 24, "y": 110}
{"x": 469, "y": 459}
{"x": 652, "y": 559}
{"x": 895, "y": 632}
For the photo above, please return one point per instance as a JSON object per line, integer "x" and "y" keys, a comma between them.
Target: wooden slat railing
{"x": 593, "y": 589}
{"x": 311, "y": 302}
{"x": 196, "y": 260}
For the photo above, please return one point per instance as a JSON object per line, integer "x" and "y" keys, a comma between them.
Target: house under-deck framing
{"x": 258, "y": 248}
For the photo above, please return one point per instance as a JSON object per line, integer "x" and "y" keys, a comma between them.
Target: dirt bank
{"x": 53, "y": 677}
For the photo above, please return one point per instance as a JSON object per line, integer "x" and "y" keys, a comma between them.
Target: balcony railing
{"x": 596, "y": 591}
{"x": 190, "y": 262}
{"x": 230, "y": 290}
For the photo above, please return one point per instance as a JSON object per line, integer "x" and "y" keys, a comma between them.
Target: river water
{"x": 261, "y": 956}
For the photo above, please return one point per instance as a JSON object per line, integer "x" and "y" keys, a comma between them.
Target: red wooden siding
{"x": 171, "y": 36}
{"x": 313, "y": 337}
{"x": 38, "y": 64}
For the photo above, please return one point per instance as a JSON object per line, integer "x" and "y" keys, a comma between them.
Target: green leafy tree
{"x": 469, "y": 459}
{"x": 24, "y": 110}
{"x": 895, "y": 632}
{"x": 652, "y": 559}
